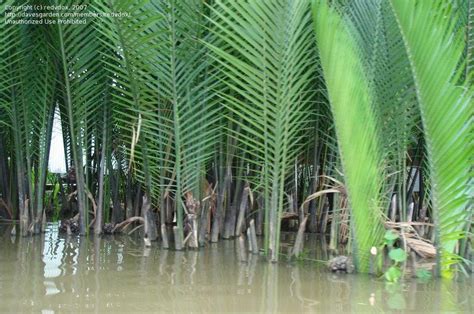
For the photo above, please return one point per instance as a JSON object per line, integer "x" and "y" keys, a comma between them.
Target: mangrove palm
{"x": 198, "y": 117}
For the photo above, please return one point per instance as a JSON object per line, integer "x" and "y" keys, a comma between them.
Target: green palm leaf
{"x": 189, "y": 115}
{"x": 82, "y": 84}
{"x": 11, "y": 56}
{"x": 127, "y": 56}
{"x": 387, "y": 68}
{"x": 38, "y": 108}
{"x": 470, "y": 41}
{"x": 266, "y": 55}
{"x": 26, "y": 84}
{"x": 446, "y": 108}
{"x": 162, "y": 82}
{"x": 352, "y": 104}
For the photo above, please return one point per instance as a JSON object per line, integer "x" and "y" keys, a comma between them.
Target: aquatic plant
{"x": 444, "y": 97}
{"x": 354, "y": 117}
{"x": 195, "y": 117}
{"x": 435, "y": 49}
{"x": 269, "y": 75}
{"x": 396, "y": 255}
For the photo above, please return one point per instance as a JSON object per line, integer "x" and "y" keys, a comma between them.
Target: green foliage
{"x": 189, "y": 111}
{"x": 82, "y": 81}
{"x": 397, "y": 55}
{"x": 352, "y": 106}
{"x": 387, "y": 68}
{"x": 125, "y": 57}
{"x": 51, "y": 198}
{"x": 181, "y": 94}
{"x": 27, "y": 83}
{"x": 51, "y": 201}
{"x": 55, "y": 201}
{"x": 162, "y": 102}
{"x": 435, "y": 51}
{"x": 398, "y": 255}
{"x": 390, "y": 237}
{"x": 267, "y": 57}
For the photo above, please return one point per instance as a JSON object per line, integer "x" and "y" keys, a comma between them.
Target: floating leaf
{"x": 398, "y": 255}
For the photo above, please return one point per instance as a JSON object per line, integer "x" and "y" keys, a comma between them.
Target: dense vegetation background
{"x": 203, "y": 115}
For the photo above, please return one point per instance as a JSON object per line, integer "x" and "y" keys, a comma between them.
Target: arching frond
{"x": 435, "y": 50}
{"x": 352, "y": 104}
{"x": 267, "y": 57}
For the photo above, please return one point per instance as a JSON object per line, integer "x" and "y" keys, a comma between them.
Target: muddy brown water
{"x": 54, "y": 273}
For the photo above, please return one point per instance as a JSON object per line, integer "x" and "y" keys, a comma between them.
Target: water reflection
{"x": 55, "y": 273}
{"x": 52, "y": 259}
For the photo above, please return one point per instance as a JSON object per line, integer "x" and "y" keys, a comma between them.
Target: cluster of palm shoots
{"x": 205, "y": 115}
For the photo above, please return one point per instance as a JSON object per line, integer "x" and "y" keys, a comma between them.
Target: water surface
{"x": 55, "y": 273}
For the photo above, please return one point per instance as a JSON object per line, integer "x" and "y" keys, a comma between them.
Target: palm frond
{"x": 189, "y": 111}
{"x": 387, "y": 68}
{"x": 126, "y": 57}
{"x": 267, "y": 71}
{"x": 435, "y": 51}
{"x": 470, "y": 41}
{"x": 11, "y": 56}
{"x": 82, "y": 85}
{"x": 352, "y": 104}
